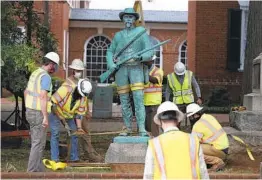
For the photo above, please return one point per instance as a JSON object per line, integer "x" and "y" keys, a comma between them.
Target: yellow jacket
{"x": 175, "y": 156}
{"x": 153, "y": 92}
{"x": 63, "y": 98}
{"x": 33, "y": 89}
{"x": 210, "y": 131}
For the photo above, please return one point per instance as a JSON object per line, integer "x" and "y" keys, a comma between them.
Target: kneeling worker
{"x": 213, "y": 138}
{"x": 174, "y": 154}
{"x": 69, "y": 103}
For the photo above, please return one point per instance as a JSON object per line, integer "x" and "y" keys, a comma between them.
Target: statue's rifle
{"x": 128, "y": 44}
{"x": 111, "y": 71}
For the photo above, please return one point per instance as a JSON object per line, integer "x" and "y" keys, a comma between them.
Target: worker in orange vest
{"x": 174, "y": 154}
{"x": 153, "y": 95}
{"x": 213, "y": 138}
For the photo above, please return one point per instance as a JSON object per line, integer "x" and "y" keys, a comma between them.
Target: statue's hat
{"x": 128, "y": 11}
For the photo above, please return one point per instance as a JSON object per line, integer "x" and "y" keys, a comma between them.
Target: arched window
{"x": 158, "y": 52}
{"x": 183, "y": 53}
{"x": 95, "y": 52}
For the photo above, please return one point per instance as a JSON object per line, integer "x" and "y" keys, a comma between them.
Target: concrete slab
{"x": 126, "y": 153}
{"x": 246, "y": 120}
{"x": 130, "y": 139}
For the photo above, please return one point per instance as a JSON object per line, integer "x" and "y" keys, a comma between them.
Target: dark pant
{"x": 151, "y": 126}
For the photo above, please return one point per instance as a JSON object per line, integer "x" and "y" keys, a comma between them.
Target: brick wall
{"x": 207, "y": 46}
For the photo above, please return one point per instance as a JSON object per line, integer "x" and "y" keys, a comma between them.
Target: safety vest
{"x": 63, "y": 98}
{"x": 153, "y": 92}
{"x": 176, "y": 156}
{"x": 182, "y": 94}
{"x": 33, "y": 89}
{"x": 210, "y": 131}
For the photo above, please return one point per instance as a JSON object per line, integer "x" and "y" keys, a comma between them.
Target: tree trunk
{"x": 29, "y": 13}
{"x": 254, "y": 42}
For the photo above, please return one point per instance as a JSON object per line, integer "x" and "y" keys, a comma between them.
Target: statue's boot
{"x": 140, "y": 111}
{"x": 126, "y": 113}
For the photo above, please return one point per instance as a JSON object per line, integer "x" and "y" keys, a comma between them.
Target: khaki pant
{"x": 38, "y": 140}
{"x": 213, "y": 156}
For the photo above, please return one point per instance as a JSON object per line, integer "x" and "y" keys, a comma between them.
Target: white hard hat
{"x": 84, "y": 87}
{"x": 193, "y": 108}
{"x": 77, "y": 64}
{"x": 179, "y": 68}
{"x": 168, "y": 106}
{"x": 53, "y": 57}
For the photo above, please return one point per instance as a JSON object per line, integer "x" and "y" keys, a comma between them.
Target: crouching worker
{"x": 69, "y": 107}
{"x": 174, "y": 154}
{"x": 213, "y": 138}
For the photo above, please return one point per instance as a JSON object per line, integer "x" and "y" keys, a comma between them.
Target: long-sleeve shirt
{"x": 149, "y": 162}
{"x": 181, "y": 80}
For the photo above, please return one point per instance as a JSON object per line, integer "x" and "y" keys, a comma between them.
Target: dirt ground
{"x": 16, "y": 159}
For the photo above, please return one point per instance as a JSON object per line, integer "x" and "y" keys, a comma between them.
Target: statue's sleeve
{"x": 147, "y": 44}
{"x": 111, "y": 51}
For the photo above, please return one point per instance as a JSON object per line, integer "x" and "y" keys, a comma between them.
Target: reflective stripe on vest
{"x": 216, "y": 133}
{"x": 153, "y": 92}
{"x": 160, "y": 157}
{"x": 182, "y": 93}
{"x": 59, "y": 99}
{"x": 33, "y": 91}
{"x": 193, "y": 150}
{"x": 82, "y": 105}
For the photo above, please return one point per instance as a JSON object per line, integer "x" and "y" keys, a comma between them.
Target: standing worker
{"x": 130, "y": 75}
{"x": 180, "y": 86}
{"x": 153, "y": 95}
{"x": 213, "y": 138}
{"x": 174, "y": 154}
{"x": 69, "y": 105}
{"x": 37, "y": 95}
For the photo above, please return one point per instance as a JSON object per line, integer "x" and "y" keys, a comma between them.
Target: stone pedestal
{"x": 251, "y": 120}
{"x": 246, "y": 120}
{"x": 130, "y": 149}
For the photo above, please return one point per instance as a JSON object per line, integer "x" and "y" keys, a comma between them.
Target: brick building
{"x": 214, "y": 32}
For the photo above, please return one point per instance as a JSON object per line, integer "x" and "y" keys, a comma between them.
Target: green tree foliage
{"x": 20, "y": 51}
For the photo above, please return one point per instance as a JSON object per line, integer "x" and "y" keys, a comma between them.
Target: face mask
{"x": 77, "y": 75}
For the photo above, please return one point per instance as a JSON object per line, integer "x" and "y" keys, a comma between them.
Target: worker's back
{"x": 176, "y": 155}
{"x": 212, "y": 132}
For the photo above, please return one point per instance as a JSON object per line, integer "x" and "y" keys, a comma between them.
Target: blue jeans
{"x": 55, "y": 126}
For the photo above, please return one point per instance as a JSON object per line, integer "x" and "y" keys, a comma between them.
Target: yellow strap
{"x": 242, "y": 142}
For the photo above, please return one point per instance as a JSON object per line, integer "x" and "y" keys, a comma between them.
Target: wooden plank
{"x": 18, "y": 133}
{"x": 82, "y": 164}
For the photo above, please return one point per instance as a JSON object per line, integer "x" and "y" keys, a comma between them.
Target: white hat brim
{"x": 180, "y": 117}
{"x": 180, "y": 73}
{"x": 192, "y": 113}
{"x": 73, "y": 67}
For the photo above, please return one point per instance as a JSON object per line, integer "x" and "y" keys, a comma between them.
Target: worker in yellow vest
{"x": 153, "y": 95}
{"x": 37, "y": 102}
{"x": 213, "y": 138}
{"x": 179, "y": 86}
{"x": 69, "y": 107}
{"x": 174, "y": 154}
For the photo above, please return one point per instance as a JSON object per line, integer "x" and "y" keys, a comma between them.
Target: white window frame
{"x": 160, "y": 52}
{"x": 85, "y": 54}
{"x": 180, "y": 51}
